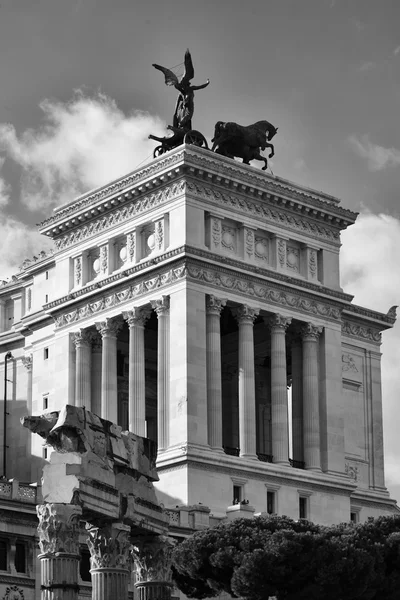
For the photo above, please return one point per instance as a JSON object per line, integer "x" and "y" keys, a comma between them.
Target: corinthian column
{"x": 162, "y": 309}
{"x": 27, "y": 362}
{"x": 96, "y": 373}
{"x": 109, "y": 560}
{"x": 214, "y": 377}
{"x": 136, "y": 319}
{"x": 279, "y": 401}
{"x": 153, "y": 568}
{"x": 59, "y": 546}
{"x": 312, "y": 444}
{"x": 83, "y": 340}
{"x": 297, "y": 401}
{"x": 245, "y": 316}
{"x": 109, "y": 400}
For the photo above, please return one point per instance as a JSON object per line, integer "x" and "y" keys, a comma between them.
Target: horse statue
{"x": 246, "y": 142}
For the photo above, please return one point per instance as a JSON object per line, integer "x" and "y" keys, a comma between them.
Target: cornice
{"x": 358, "y": 312}
{"x": 14, "y": 580}
{"x": 361, "y": 332}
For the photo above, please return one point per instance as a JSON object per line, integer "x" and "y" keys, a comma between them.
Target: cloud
{"x": 378, "y": 157}
{"x": 18, "y": 242}
{"x": 367, "y": 66}
{"x": 370, "y": 257}
{"x": 81, "y": 144}
{"x": 396, "y": 51}
{"x": 4, "y": 189}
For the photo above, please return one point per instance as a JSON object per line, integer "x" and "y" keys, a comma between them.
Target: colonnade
{"x": 305, "y": 378}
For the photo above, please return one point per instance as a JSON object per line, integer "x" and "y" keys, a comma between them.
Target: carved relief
{"x": 109, "y": 546}
{"x": 261, "y": 248}
{"x": 312, "y": 263}
{"x": 159, "y": 235}
{"x": 77, "y": 271}
{"x": 228, "y": 239}
{"x": 131, "y": 246}
{"x": 216, "y": 232}
{"x": 214, "y": 305}
{"x": 153, "y": 559}
{"x": 293, "y": 258}
{"x": 104, "y": 259}
{"x": 281, "y": 250}
{"x": 348, "y": 363}
{"x": 351, "y": 471}
{"x": 249, "y": 239}
{"x": 58, "y": 528}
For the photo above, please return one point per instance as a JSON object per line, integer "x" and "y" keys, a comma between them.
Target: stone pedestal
{"x": 162, "y": 309}
{"x": 109, "y": 332}
{"x": 245, "y": 316}
{"x": 312, "y": 444}
{"x": 214, "y": 376}
{"x": 109, "y": 559}
{"x": 82, "y": 340}
{"x": 279, "y": 401}
{"x": 59, "y": 544}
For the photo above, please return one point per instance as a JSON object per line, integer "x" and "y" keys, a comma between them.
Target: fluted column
{"x": 109, "y": 560}
{"x": 136, "y": 319}
{"x": 27, "y": 362}
{"x": 82, "y": 340}
{"x": 59, "y": 546}
{"x": 96, "y": 373}
{"x": 279, "y": 401}
{"x": 297, "y": 401}
{"x": 109, "y": 399}
{"x": 153, "y": 568}
{"x": 311, "y": 433}
{"x": 162, "y": 309}
{"x": 245, "y": 316}
{"x": 214, "y": 375}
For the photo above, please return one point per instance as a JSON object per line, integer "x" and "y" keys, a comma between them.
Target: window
{"x": 237, "y": 494}
{"x": 302, "y": 507}
{"x": 47, "y": 274}
{"x": 46, "y": 298}
{"x": 84, "y": 566}
{"x": 355, "y": 515}
{"x": 271, "y": 503}
{"x": 45, "y": 353}
{"x": 3, "y": 555}
{"x": 45, "y": 453}
{"x": 45, "y": 402}
{"x": 20, "y": 557}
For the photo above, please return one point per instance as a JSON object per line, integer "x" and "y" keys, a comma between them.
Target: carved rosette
{"x": 103, "y": 259}
{"x": 83, "y": 337}
{"x": 310, "y": 332}
{"x": 77, "y": 271}
{"x": 110, "y": 326}
{"x": 109, "y": 546}
{"x": 137, "y": 316}
{"x": 161, "y": 306}
{"x": 153, "y": 560}
{"x": 27, "y": 362}
{"x": 245, "y": 314}
{"x": 214, "y": 305}
{"x": 58, "y": 528}
{"x": 278, "y": 321}
{"x": 131, "y": 246}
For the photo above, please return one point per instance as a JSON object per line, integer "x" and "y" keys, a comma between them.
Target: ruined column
{"x": 153, "y": 568}
{"x": 136, "y": 319}
{"x": 59, "y": 546}
{"x": 109, "y": 547}
{"x": 109, "y": 332}
{"x": 214, "y": 372}
{"x": 279, "y": 401}
{"x": 162, "y": 309}
{"x": 245, "y": 316}
{"x": 27, "y": 362}
{"x": 297, "y": 401}
{"x": 312, "y": 445}
{"x": 82, "y": 340}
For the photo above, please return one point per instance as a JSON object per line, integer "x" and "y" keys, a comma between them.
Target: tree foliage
{"x": 292, "y": 560}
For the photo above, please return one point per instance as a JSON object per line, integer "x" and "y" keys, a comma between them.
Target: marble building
{"x": 197, "y": 302}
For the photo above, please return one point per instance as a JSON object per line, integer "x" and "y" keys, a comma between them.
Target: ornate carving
{"x": 153, "y": 559}
{"x": 13, "y": 592}
{"x": 137, "y": 316}
{"x": 110, "y": 326}
{"x": 159, "y": 233}
{"x": 109, "y": 546}
{"x": 228, "y": 238}
{"x": 359, "y": 331}
{"x": 77, "y": 271}
{"x": 293, "y": 258}
{"x": 261, "y": 247}
{"x": 392, "y": 312}
{"x": 131, "y": 246}
{"x": 161, "y": 306}
{"x": 216, "y": 231}
{"x": 312, "y": 263}
{"x": 249, "y": 239}
{"x": 214, "y": 305}
{"x": 58, "y": 528}
{"x": 348, "y": 363}
{"x": 27, "y": 361}
{"x": 277, "y": 321}
{"x": 310, "y": 331}
{"x": 103, "y": 259}
{"x": 281, "y": 252}
{"x": 83, "y": 337}
{"x": 351, "y": 471}
{"x": 245, "y": 314}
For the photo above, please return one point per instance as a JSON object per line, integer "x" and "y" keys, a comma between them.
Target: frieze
{"x": 362, "y": 332}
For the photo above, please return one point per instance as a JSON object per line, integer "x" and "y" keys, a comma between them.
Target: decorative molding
{"x": 361, "y": 332}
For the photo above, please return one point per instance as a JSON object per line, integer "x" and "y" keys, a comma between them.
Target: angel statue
{"x": 185, "y": 103}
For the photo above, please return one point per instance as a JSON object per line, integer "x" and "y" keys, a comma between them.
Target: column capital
{"x": 161, "y": 306}
{"x": 137, "y": 315}
{"x": 245, "y": 314}
{"x": 308, "y": 331}
{"x": 58, "y": 528}
{"x": 278, "y": 321}
{"x": 110, "y": 326}
{"x": 27, "y": 361}
{"x": 96, "y": 342}
{"x": 109, "y": 545}
{"x": 214, "y": 305}
{"x": 83, "y": 337}
{"x": 153, "y": 559}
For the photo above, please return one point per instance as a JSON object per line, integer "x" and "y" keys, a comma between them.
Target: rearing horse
{"x": 231, "y": 139}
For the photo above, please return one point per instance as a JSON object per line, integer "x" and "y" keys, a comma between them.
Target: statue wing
{"x": 170, "y": 77}
{"x": 189, "y": 69}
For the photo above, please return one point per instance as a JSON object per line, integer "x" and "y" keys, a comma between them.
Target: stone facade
{"x": 197, "y": 301}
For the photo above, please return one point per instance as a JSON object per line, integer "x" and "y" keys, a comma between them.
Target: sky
{"x": 79, "y": 96}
